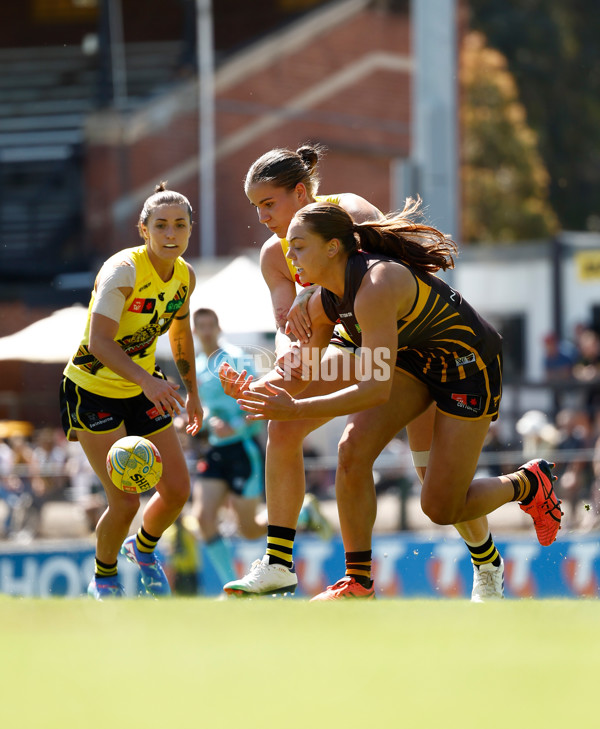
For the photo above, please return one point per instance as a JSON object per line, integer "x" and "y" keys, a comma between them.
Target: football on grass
{"x": 134, "y": 464}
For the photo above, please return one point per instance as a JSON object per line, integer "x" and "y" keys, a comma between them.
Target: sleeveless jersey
{"x": 442, "y": 337}
{"x": 335, "y": 199}
{"x": 148, "y": 313}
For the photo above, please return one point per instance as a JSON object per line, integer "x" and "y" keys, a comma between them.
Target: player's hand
{"x": 195, "y": 414}
{"x": 290, "y": 366}
{"x": 163, "y": 395}
{"x": 279, "y": 405}
{"x": 233, "y": 382}
{"x": 298, "y": 321}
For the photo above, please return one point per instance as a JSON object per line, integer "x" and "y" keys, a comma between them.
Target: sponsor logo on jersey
{"x": 468, "y": 359}
{"x": 467, "y": 402}
{"x": 94, "y": 420}
{"x": 154, "y": 414}
{"x": 174, "y": 305}
{"x": 142, "y": 306}
{"x": 145, "y": 286}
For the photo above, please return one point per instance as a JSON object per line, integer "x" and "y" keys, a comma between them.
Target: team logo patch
{"x": 142, "y": 306}
{"x": 174, "y": 305}
{"x": 467, "y": 402}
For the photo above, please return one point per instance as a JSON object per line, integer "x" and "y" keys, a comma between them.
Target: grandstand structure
{"x": 76, "y": 162}
{"x": 46, "y": 95}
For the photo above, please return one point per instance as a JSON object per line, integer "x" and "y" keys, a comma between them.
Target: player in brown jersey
{"x": 419, "y": 342}
{"x": 278, "y": 184}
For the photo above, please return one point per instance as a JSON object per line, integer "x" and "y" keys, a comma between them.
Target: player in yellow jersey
{"x": 278, "y": 184}
{"x": 112, "y": 386}
{"x": 420, "y": 343}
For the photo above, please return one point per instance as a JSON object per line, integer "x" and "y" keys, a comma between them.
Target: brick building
{"x": 339, "y": 75}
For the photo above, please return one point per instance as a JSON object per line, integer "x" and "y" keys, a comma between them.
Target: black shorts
{"x": 477, "y": 396}
{"x": 241, "y": 465}
{"x": 82, "y": 410}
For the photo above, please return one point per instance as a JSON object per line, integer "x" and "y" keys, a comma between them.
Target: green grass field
{"x": 288, "y": 663}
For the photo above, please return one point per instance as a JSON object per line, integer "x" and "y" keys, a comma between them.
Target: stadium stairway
{"x": 45, "y": 96}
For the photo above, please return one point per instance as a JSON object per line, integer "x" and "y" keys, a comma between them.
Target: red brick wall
{"x": 364, "y": 124}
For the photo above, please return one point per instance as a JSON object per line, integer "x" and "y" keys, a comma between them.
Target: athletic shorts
{"x": 241, "y": 465}
{"x": 477, "y": 396}
{"x": 82, "y": 410}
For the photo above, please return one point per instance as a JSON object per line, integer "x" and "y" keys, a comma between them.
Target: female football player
{"x": 112, "y": 386}
{"x": 419, "y": 342}
{"x": 279, "y": 184}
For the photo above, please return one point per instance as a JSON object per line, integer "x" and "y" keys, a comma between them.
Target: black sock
{"x": 484, "y": 553}
{"x": 280, "y": 545}
{"x": 358, "y": 565}
{"x": 145, "y": 542}
{"x": 524, "y": 485}
{"x": 103, "y": 570}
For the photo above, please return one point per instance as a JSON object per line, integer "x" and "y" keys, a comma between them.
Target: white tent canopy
{"x": 52, "y": 339}
{"x": 239, "y": 296}
{"x": 237, "y": 293}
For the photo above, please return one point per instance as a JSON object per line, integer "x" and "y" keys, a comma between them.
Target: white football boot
{"x": 264, "y": 579}
{"x": 488, "y": 582}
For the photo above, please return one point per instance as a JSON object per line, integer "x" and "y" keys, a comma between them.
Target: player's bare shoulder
{"x": 192, "y": 276}
{"x": 389, "y": 281}
{"x": 360, "y": 209}
{"x": 272, "y": 259}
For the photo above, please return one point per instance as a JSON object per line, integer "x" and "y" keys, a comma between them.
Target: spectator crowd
{"x": 39, "y": 466}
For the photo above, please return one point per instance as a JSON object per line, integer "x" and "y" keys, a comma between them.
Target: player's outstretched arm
{"x": 305, "y": 358}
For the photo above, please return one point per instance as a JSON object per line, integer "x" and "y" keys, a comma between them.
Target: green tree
{"x": 553, "y": 52}
{"x": 504, "y": 181}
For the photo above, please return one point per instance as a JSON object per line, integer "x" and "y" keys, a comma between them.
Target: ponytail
{"x": 417, "y": 245}
{"x": 398, "y": 236}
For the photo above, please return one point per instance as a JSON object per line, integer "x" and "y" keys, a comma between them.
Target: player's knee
{"x": 438, "y": 512}
{"x": 285, "y": 434}
{"x": 126, "y": 509}
{"x": 353, "y": 456}
{"x": 176, "y": 492}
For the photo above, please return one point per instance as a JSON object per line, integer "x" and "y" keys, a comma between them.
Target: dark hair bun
{"x": 309, "y": 155}
{"x": 161, "y": 187}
